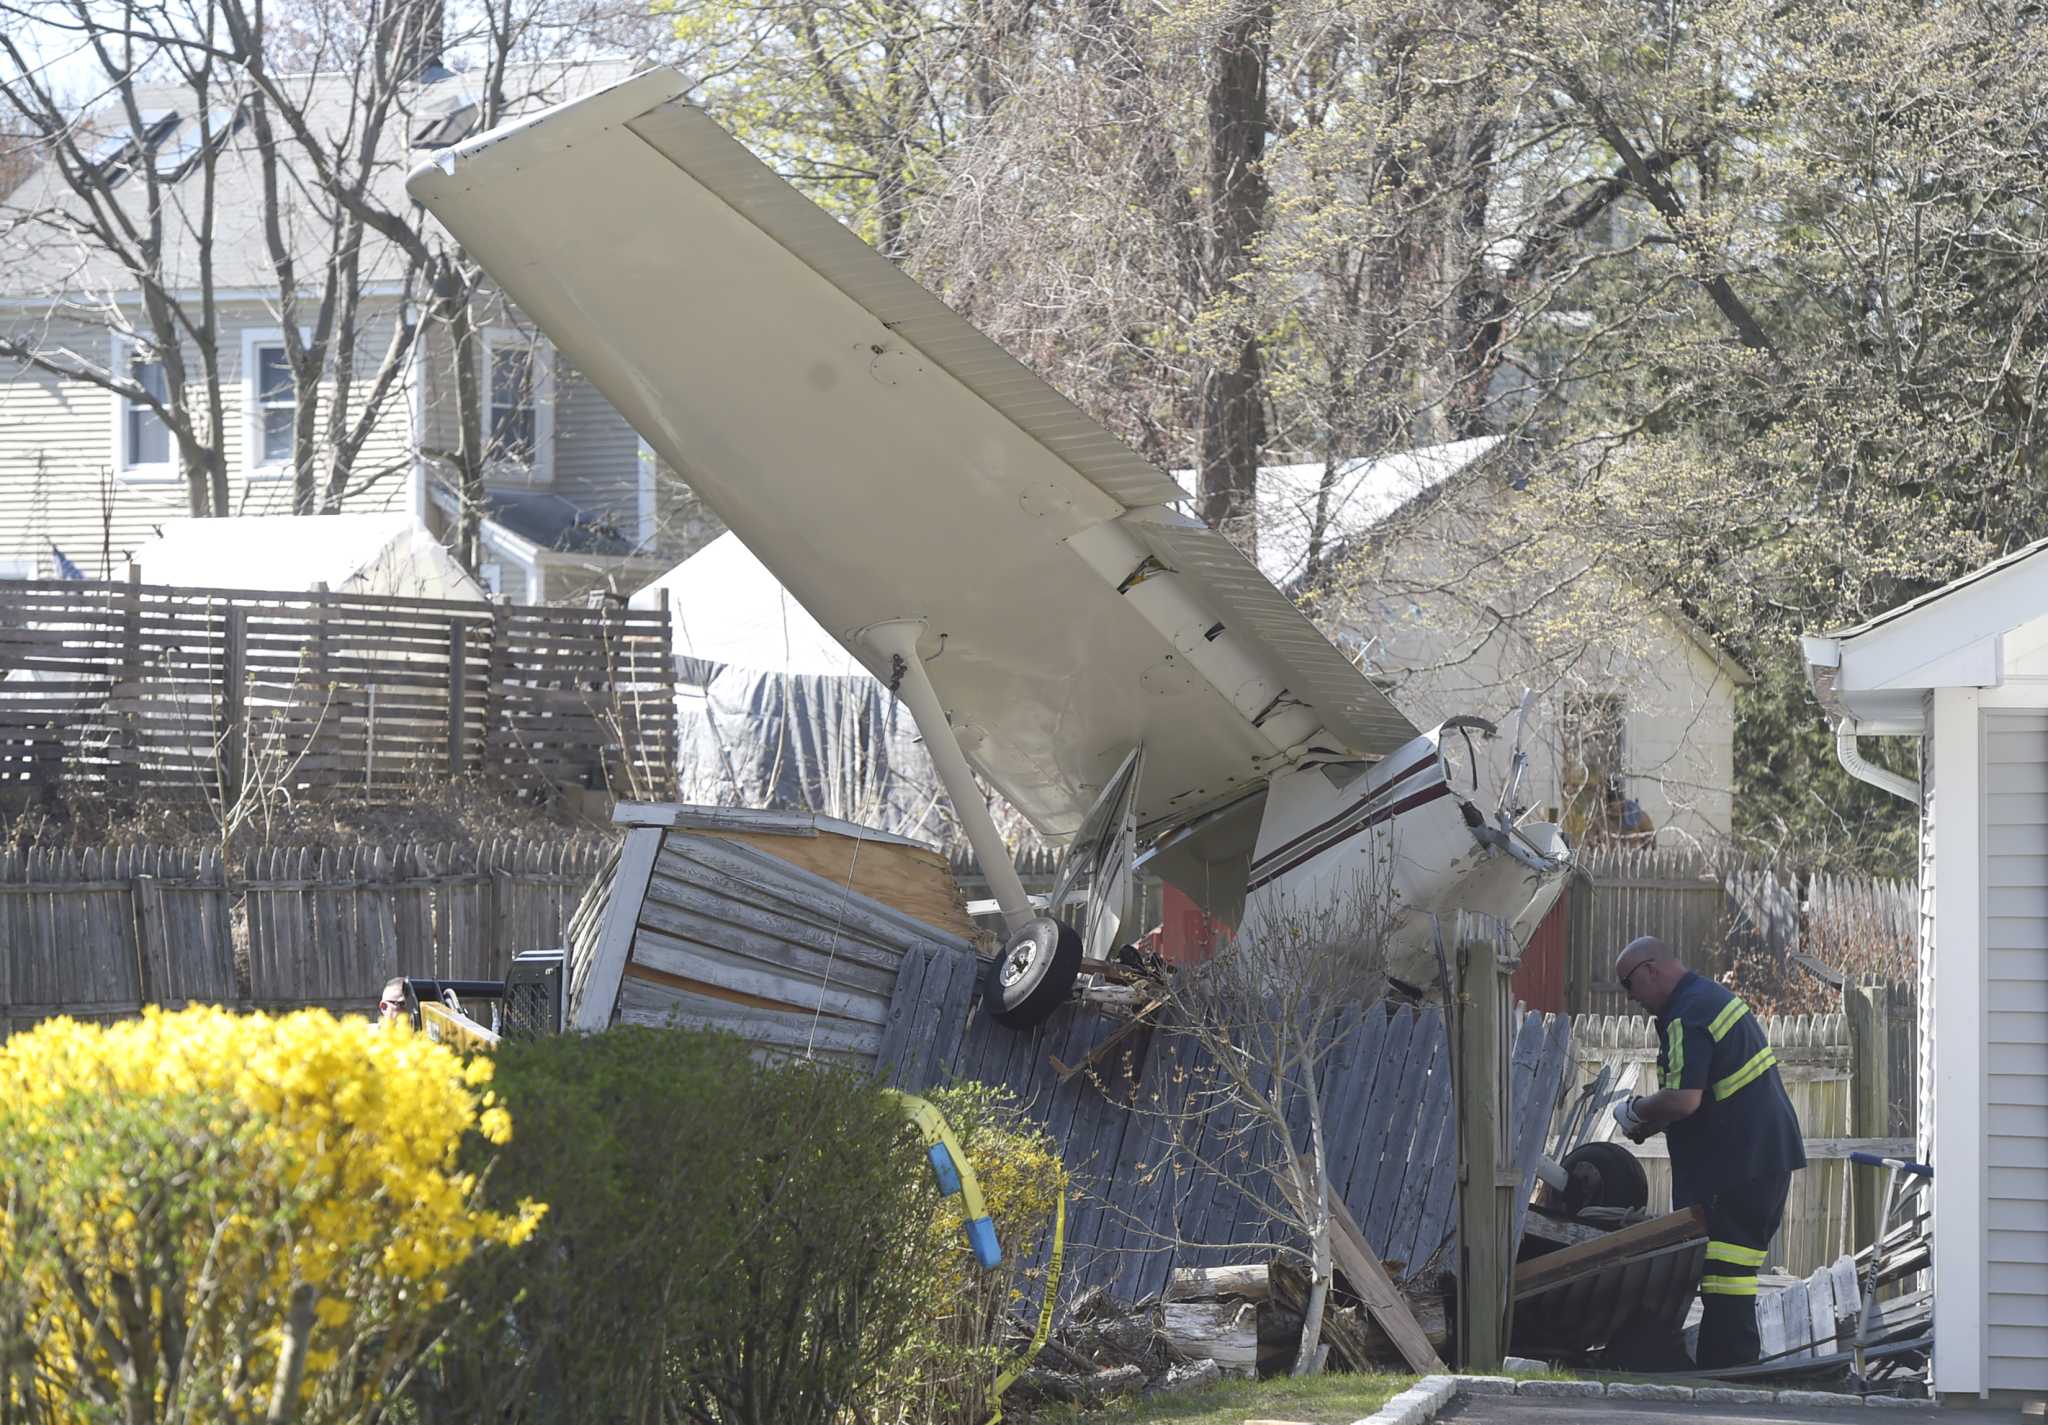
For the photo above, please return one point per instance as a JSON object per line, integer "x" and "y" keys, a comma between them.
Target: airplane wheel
{"x": 1605, "y": 1175}
{"x": 1034, "y": 973}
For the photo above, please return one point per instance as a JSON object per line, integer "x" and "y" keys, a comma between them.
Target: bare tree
{"x": 116, "y": 234}
{"x": 346, "y": 81}
{"x": 1239, "y": 1096}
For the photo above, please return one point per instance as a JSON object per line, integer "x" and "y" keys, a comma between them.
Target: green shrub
{"x": 727, "y": 1241}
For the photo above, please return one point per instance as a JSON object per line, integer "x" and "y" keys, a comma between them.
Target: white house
{"x": 1398, "y": 559}
{"x": 1965, "y": 670}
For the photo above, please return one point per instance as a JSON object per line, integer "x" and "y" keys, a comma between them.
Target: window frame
{"x": 121, "y": 358}
{"x": 254, "y": 341}
{"x": 541, "y": 469}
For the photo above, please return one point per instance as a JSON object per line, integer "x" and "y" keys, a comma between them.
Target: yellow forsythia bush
{"x": 209, "y": 1216}
{"x": 973, "y": 1315}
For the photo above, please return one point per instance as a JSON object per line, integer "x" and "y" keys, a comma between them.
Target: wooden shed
{"x": 783, "y": 927}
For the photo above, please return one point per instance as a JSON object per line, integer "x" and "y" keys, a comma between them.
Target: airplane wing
{"x": 884, "y": 459}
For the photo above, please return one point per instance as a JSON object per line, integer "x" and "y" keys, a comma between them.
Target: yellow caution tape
{"x": 1052, "y": 1291}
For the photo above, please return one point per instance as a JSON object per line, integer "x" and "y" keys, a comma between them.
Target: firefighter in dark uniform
{"x": 1733, "y": 1137}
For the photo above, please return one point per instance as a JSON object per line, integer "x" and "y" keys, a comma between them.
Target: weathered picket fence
{"x": 132, "y": 689}
{"x": 1814, "y": 1061}
{"x": 100, "y": 933}
{"x": 1391, "y": 1135}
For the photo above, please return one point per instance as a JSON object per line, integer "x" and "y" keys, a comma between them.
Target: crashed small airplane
{"x": 1033, "y": 590}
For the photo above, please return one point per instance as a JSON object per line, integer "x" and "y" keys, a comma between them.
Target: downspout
{"x": 1863, "y": 769}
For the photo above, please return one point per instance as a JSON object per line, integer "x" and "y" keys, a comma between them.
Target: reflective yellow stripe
{"x": 1734, "y": 1255}
{"x": 1727, "y": 1286}
{"x": 1763, "y": 1059}
{"x": 1674, "y": 1053}
{"x": 1725, "y": 1020}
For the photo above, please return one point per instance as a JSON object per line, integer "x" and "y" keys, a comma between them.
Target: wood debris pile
{"x": 1213, "y": 1322}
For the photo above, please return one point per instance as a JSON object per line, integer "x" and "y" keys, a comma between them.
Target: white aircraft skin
{"x": 1023, "y": 581}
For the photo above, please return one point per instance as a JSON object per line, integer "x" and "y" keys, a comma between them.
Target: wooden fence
{"x": 134, "y": 689}
{"x": 1814, "y": 1056}
{"x": 99, "y": 934}
{"x": 1719, "y": 914}
{"x": 1392, "y": 1141}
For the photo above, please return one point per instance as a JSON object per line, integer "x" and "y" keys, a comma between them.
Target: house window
{"x": 520, "y": 391}
{"x": 493, "y": 576}
{"x": 146, "y": 440}
{"x": 1592, "y": 729}
{"x": 512, "y": 403}
{"x": 276, "y": 406}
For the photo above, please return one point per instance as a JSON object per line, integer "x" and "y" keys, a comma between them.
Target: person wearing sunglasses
{"x": 1733, "y": 1137}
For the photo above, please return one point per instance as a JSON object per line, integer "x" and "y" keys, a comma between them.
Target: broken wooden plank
{"x": 1224, "y": 1332}
{"x": 1370, "y": 1283}
{"x": 1546, "y": 1271}
{"x": 1249, "y": 1280}
{"x": 1116, "y": 1037}
{"x": 1344, "y": 1331}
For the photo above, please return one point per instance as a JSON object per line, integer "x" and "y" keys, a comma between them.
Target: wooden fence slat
{"x": 106, "y": 930}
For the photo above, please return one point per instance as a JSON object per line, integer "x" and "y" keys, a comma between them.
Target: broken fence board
{"x": 1541, "y": 1273}
{"x": 1371, "y": 1284}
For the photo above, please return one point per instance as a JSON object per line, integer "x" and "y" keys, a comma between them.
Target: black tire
{"x": 1622, "y": 1181}
{"x": 1033, "y": 975}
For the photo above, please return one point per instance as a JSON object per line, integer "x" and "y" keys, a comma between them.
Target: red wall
{"x": 1540, "y": 982}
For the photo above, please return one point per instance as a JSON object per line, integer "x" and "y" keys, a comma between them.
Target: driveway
{"x": 1545, "y": 1410}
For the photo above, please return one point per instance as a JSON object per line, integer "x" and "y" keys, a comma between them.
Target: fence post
{"x": 234, "y": 689}
{"x": 457, "y": 669}
{"x": 1870, "y": 1098}
{"x": 1486, "y": 1177}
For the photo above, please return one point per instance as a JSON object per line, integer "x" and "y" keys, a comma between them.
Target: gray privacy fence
{"x": 1391, "y": 1130}
{"x": 100, "y": 933}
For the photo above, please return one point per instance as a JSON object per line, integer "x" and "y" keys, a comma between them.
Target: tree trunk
{"x": 469, "y": 450}
{"x": 1233, "y": 390}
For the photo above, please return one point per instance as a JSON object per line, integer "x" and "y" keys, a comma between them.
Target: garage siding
{"x": 2016, "y": 1050}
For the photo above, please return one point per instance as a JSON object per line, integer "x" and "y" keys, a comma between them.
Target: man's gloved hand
{"x": 1630, "y": 1121}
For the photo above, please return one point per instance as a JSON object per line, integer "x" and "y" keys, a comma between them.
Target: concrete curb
{"x": 1421, "y": 1402}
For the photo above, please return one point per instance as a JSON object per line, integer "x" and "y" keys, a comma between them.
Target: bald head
{"x": 1648, "y": 971}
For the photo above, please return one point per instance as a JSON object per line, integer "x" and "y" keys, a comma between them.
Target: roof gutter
{"x": 1862, "y": 768}
{"x": 1823, "y": 662}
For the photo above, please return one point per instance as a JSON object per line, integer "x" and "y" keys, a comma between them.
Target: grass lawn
{"x": 1332, "y": 1399}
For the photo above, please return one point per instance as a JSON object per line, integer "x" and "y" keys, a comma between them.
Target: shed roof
{"x": 368, "y": 554}
{"x": 1293, "y": 506}
{"x": 45, "y": 258}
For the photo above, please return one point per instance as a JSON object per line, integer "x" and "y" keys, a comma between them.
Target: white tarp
{"x": 350, "y": 554}
{"x": 771, "y": 712}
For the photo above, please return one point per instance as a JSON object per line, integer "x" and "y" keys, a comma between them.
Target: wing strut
{"x": 898, "y": 640}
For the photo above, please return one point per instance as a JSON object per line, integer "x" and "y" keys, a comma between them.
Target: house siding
{"x": 58, "y": 484}
{"x": 1924, "y": 1070}
{"x": 597, "y": 453}
{"x": 2016, "y": 1050}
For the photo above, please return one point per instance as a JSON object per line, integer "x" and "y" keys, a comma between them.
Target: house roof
{"x": 40, "y": 258}
{"x": 546, "y": 519}
{"x": 1360, "y": 495}
{"x": 1364, "y": 494}
{"x": 370, "y": 554}
{"x": 1877, "y": 672}
{"x": 726, "y": 608}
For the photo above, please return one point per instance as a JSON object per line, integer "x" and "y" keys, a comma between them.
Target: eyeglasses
{"x": 1632, "y": 974}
